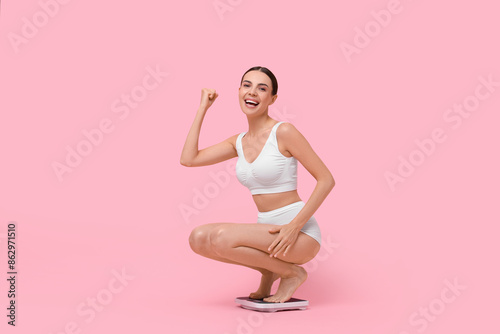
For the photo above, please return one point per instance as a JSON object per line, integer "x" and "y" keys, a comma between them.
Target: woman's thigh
{"x": 256, "y": 235}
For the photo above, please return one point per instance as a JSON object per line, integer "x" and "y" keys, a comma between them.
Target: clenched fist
{"x": 208, "y": 97}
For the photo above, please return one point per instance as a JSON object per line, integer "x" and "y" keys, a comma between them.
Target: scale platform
{"x": 261, "y": 305}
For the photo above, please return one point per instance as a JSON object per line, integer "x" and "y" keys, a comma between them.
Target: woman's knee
{"x": 199, "y": 238}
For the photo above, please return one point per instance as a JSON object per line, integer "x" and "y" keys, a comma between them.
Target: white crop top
{"x": 270, "y": 172}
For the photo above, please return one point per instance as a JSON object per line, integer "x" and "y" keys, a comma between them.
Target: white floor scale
{"x": 260, "y": 305}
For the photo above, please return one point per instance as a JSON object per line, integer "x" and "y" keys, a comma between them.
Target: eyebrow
{"x": 258, "y": 84}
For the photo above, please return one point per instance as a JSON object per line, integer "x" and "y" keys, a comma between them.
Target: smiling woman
{"x": 286, "y": 233}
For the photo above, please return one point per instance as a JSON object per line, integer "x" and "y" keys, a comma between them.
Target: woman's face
{"x": 257, "y": 87}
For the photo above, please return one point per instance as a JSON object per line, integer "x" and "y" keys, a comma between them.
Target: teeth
{"x": 252, "y": 102}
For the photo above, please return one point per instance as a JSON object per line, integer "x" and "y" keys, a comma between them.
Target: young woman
{"x": 286, "y": 233}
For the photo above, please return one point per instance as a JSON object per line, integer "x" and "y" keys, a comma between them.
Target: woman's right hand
{"x": 208, "y": 97}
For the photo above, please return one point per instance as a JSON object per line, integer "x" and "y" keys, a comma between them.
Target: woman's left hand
{"x": 287, "y": 236}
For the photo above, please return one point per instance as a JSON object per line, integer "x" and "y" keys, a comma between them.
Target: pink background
{"x": 387, "y": 253}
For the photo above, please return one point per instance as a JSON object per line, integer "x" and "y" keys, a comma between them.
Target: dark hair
{"x": 269, "y": 74}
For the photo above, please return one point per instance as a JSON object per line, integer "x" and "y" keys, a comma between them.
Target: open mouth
{"x": 251, "y": 104}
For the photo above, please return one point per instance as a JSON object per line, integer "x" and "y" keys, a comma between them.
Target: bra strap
{"x": 238, "y": 141}
{"x": 275, "y": 128}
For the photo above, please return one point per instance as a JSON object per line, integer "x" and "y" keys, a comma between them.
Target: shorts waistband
{"x": 280, "y": 210}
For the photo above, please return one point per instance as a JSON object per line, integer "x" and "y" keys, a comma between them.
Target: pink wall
{"x": 399, "y": 99}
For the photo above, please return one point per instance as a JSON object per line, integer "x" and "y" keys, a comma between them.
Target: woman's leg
{"x": 200, "y": 243}
{"x": 248, "y": 244}
{"x": 228, "y": 236}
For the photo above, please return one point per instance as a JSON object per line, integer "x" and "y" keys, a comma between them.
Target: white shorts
{"x": 285, "y": 214}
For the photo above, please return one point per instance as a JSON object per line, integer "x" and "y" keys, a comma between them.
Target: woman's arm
{"x": 294, "y": 142}
{"x": 191, "y": 156}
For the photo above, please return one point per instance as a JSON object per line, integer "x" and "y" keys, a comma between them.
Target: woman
{"x": 286, "y": 233}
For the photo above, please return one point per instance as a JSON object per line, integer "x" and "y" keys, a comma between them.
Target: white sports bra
{"x": 270, "y": 172}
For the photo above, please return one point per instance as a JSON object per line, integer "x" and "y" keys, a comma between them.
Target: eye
{"x": 246, "y": 85}
{"x": 263, "y": 89}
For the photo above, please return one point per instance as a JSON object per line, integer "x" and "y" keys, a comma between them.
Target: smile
{"x": 251, "y": 104}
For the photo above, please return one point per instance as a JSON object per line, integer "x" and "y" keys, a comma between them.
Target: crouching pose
{"x": 286, "y": 234}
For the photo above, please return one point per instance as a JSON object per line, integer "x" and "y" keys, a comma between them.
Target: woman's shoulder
{"x": 286, "y": 129}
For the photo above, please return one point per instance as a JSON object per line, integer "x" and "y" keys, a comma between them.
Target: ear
{"x": 273, "y": 99}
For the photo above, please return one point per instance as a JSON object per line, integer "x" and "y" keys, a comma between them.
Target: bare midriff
{"x": 268, "y": 202}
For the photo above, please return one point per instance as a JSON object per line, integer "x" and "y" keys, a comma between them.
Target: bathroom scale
{"x": 261, "y": 305}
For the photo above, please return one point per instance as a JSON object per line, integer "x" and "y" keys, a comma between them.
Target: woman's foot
{"x": 287, "y": 286}
{"x": 266, "y": 283}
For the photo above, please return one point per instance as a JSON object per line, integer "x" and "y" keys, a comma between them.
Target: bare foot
{"x": 266, "y": 283}
{"x": 287, "y": 286}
